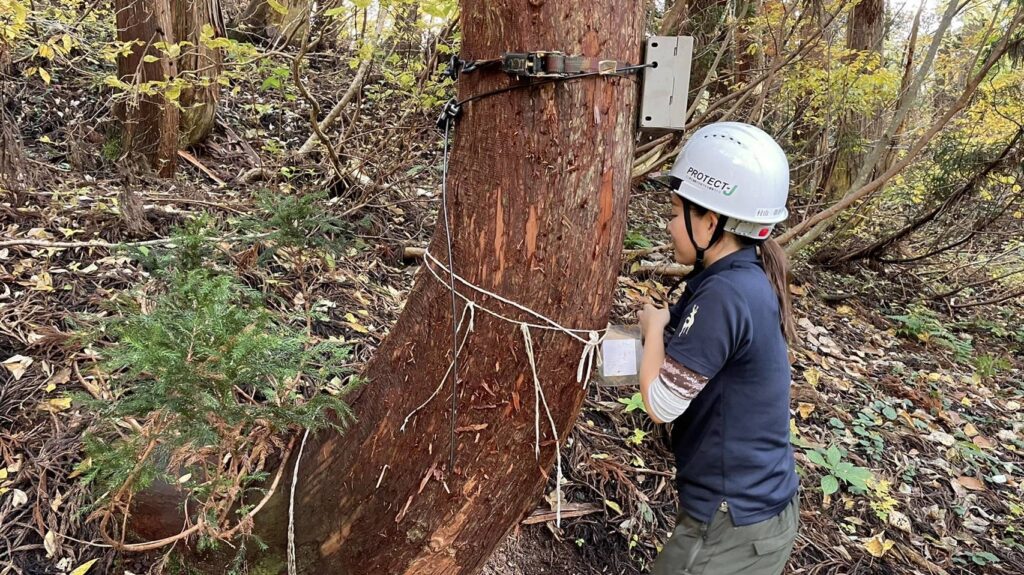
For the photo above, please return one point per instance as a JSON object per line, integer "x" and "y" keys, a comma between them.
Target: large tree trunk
{"x": 150, "y": 122}
{"x": 538, "y": 188}
{"x": 539, "y": 185}
{"x": 199, "y": 64}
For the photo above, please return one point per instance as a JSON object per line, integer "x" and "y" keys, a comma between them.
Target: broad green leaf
{"x": 817, "y": 458}
{"x": 829, "y": 484}
{"x": 833, "y": 455}
{"x": 636, "y": 401}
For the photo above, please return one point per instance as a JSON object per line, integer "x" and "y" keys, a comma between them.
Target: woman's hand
{"x": 652, "y": 320}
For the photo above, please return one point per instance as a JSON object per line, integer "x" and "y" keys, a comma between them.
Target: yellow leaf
{"x": 878, "y": 545}
{"x": 46, "y": 51}
{"x": 813, "y": 376}
{"x": 613, "y": 506}
{"x": 81, "y": 468}
{"x": 970, "y": 430}
{"x": 354, "y": 323}
{"x": 844, "y": 310}
{"x": 50, "y": 387}
{"x": 805, "y": 409}
{"x": 149, "y": 59}
{"x": 277, "y": 6}
{"x": 3, "y": 473}
{"x": 84, "y": 567}
{"x": 43, "y": 281}
{"x": 58, "y": 404}
{"x": 173, "y": 93}
{"x": 66, "y": 40}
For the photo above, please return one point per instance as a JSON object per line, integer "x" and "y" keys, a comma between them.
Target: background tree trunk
{"x": 260, "y": 22}
{"x": 12, "y": 162}
{"x": 857, "y": 132}
{"x": 539, "y": 183}
{"x": 150, "y": 123}
{"x": 199, "y": 64}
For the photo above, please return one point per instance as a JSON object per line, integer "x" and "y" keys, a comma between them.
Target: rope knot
{"x": 587, "y": 357}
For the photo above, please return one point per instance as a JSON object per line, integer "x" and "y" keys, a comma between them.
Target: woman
{"x": 716, "y": 364}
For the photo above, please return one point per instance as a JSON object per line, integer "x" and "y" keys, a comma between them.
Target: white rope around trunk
{"x": 591, "y": 340}
{"x": 591, "y": 343}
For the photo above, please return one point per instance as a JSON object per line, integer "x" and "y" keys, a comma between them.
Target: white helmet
{"x": 738, "y": 171}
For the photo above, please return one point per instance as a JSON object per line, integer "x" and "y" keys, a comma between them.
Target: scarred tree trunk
{"x": 199, "y": 64}
{"x": 150, "y": 123}
{"x": 538, "y": 187}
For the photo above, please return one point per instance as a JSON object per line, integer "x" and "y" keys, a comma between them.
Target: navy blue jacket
{"x": 732, "y": 443}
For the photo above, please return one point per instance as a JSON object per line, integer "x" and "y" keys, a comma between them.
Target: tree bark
{"x": 150, "y": 122}
{"x": 864, "y": 33}
{"x": 538, "y": 187}
{"x": 199, "y": 64}
{"x": 260, "y": 22}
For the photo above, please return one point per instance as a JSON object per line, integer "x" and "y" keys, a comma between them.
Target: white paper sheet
{"x": 620, "y": 357}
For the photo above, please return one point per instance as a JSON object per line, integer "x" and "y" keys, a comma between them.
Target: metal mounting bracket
{"x": 666, "y": 82}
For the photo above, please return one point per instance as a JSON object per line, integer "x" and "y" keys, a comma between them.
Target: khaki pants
{"x": 721, "y": 548}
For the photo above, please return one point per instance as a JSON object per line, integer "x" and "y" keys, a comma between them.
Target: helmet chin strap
{"x": 715, "y": 235}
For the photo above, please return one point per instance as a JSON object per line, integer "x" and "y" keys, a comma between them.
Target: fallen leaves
{"x": 805, "y": 409}
{"x": 50, "y": 544}
{"x": 899, "y": 520}
{"x": 17, "y": 365}
{"x": 84, "y": 567}
{"x": 18, "y": 498}
{"x": 941, "y": 437}
{"x": 878, "y": 545}
{"x": 972, "y": 483}
{"x": 354, "y": 323}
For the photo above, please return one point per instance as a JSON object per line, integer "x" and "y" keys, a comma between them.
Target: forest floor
{"x": 929, "y": 403}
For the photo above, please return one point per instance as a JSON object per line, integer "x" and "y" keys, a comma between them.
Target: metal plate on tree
{"x": 666, "y": 82}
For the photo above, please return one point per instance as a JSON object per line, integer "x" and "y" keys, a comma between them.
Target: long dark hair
{"x": 776, "y": 267}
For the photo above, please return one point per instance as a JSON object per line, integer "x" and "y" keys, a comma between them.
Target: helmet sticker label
{"x": 711, "y": 182}
{"x": 769, "y": 212}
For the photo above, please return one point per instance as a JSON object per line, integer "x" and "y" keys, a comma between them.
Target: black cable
{"x": 550, "y": 80}
{"x": 451, "y": 276}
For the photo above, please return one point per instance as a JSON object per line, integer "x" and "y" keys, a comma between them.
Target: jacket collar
{"x": 742, "y": 257}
